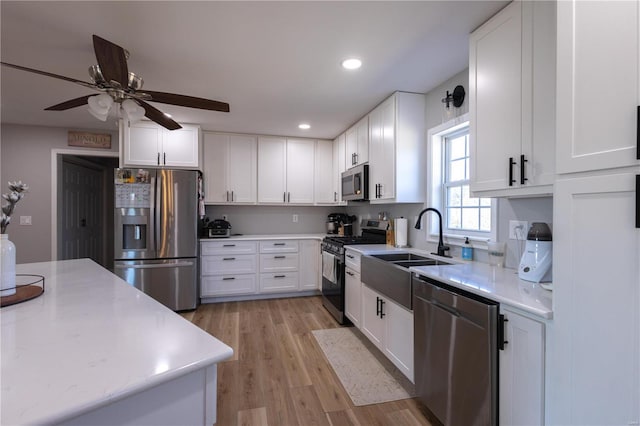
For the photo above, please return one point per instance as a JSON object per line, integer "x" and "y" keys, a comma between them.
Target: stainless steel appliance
{"x": 355, "y": 183}
{"x": 156, "y": 233}
{"x": 333, "y": 263}
{"x": 219, "y": 228}
{"x": 456, "y": 338}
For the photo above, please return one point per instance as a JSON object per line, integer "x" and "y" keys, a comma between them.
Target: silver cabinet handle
{"x": 279, "y": 257}
{"x": 228, "y": 258}
{"x": 228, "y": 245}
{"x": 279, "y": 276}
{"x": 228, "y": 278}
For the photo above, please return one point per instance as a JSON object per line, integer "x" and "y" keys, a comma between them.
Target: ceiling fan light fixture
{"x": 133, "y": 111}
{"x": 100, "y": 105}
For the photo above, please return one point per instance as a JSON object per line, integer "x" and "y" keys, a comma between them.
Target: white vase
{"x": 7, "y": 266}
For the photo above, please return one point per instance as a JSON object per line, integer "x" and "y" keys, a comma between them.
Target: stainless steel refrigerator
{"x": 156, "y": 233}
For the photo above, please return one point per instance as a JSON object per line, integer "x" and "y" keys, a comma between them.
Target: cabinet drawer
{"x": 227, "y": 285}
{"x": 278, "y": 262}
{"x": 227, "y": 247}
{"x": 352, "y": 260}
{"x": 279, "y": 282}
{"x": 279, "y": 246}
{"x": 229, "y": 264}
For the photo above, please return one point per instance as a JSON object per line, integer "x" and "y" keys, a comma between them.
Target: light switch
{"x": 25, "y": 220}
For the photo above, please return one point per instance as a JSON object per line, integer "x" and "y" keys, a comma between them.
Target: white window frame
{"x": 435, "y": 193}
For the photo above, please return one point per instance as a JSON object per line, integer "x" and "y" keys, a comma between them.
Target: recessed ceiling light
{"x": 166, "y": 114}
{"x": 304, "y": 126}
{"x": 351, "y": 63}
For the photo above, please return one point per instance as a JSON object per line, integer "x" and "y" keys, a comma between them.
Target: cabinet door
{"x": 353, "y": 296}
{"x": 324, "y": 173}
{"x": 215, "y": 162}
{"x": 522, "y": 371}
{"x": 372, "y": 324}
{"x": 597, "y": 85}
{"x": 382, "y": 159}
{"x": 351, "y": 148}
{"x": 300, "y": 171}
{"x": 362, "y": 140}
{"x": 596, "y": 300}
{"x": 272, "y": 158}
{"x": 309, "y": 265}
{"x": 495, "y": 83}
{"x": 142, "y": 144}
{"x": 180, "y": 147}
{"x": 339, "y": 166}
{"x": 398, "y": 340}
{"x": 242, "y": 169}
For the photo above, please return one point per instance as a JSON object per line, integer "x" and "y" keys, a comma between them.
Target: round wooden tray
{"x": 32, "y": 287}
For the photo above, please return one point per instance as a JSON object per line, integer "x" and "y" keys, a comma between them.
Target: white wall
{"x": 26, "y": 156}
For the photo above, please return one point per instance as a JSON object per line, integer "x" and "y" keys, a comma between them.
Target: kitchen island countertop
{"x": 92, "y": 340}
{"x": 499, "y": 284}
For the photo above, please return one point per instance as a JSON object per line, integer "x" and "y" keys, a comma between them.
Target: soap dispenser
{"x": 467, "y": 250}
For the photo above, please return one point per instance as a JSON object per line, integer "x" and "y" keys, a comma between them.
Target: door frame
{"x": 55, "y": 153}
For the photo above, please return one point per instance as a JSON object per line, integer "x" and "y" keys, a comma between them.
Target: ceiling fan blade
{"x": 48, "y": 74}
{"x": 158, "y": 116}
{"x": 186, "y": 101}
{"x": 69, "y": 104}
{"x": 112, "y": 61}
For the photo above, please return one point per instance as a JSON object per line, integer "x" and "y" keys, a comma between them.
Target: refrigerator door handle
{"x": 152, "y": 219}
{"x": 154, "y": 265}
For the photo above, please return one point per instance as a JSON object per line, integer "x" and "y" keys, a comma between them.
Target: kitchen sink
{"x": 389, "y": 274}
{"x": 394, "y": 257}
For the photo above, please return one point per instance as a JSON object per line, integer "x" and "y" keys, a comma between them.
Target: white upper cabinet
{"x": 285, "y": 170}
{"x": 230, "y": 168}
{"x": 598, "y": 85}
{"x": 512, "y": 101}
{"x": 339, "y": 166}
{"x": 325, "y": 192}
{"x": 397, "y": 150}
{"x": 357, "y": 143}
{"x": 151, "y": 145}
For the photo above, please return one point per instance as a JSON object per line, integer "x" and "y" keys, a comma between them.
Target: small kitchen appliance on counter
{"x": 535, "y": 265}
{"x": 219, "y": 228}
{"x": 337, "y": 220}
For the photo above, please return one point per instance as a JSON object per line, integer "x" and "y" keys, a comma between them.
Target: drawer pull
{"x": 350, "y": 273}
{"x": 228, "y": 258}
{"x": 279, "y": 276}
{"x": 279, "y": 257}
{"x": 228, "y": 245}
{"x": 279, "y": 244}
{"x": 350, "y": 256}
{"x": 228, "y": 278}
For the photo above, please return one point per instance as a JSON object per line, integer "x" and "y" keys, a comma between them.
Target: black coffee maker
{"x": 336, "y": 220}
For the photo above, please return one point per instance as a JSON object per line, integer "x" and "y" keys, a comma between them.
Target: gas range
{"x": 373, "y": 232}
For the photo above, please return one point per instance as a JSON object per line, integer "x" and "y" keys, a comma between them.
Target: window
{"x": 463, "y": 215}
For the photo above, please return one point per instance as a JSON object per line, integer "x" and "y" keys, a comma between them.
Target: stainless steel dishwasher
{"x": 456, "y": 353}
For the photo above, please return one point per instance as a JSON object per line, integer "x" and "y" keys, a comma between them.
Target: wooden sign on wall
{"x": 89, "y": 140}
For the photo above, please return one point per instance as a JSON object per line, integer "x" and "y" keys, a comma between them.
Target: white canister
{"x": 7, "y": 266}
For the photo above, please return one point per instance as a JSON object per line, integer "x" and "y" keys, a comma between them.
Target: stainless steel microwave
{"x": 355, "y": 183}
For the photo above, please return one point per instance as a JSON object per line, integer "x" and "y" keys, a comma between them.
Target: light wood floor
{"x": 279, "y": 375}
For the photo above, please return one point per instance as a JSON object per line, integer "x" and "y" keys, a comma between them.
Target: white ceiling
{"x": 276, "y": 63}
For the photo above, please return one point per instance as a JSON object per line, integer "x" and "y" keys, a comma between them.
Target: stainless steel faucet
{"x": 441, "y": 247}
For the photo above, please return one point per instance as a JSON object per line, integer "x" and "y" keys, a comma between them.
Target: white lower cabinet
{"x": 309, "y": 266}
{"x": 389, "y": 326}
{"x": 353, "y": 296}
{"x": 522, "y": 371}
{"x": 244, "y": 267}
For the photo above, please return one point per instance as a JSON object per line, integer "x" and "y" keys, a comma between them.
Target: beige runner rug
{"x": 363, "y": 375}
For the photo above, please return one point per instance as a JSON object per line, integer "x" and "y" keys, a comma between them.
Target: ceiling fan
{"x": 112, "y": 77}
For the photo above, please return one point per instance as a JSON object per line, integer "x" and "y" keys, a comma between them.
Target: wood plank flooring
{"x": 279, "y": 376}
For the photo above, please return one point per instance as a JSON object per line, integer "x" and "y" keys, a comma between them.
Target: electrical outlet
{"x": 224, "y": 217}
{"x": 25, "y": 220}
{"x": 295, "y": 218}
{"x": 518, "y": 229}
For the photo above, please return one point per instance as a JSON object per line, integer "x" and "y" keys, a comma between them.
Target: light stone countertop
{"x": 269, "y": 237}
{"x": 91, "y": 339}
{"x": 499, "y": 284}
